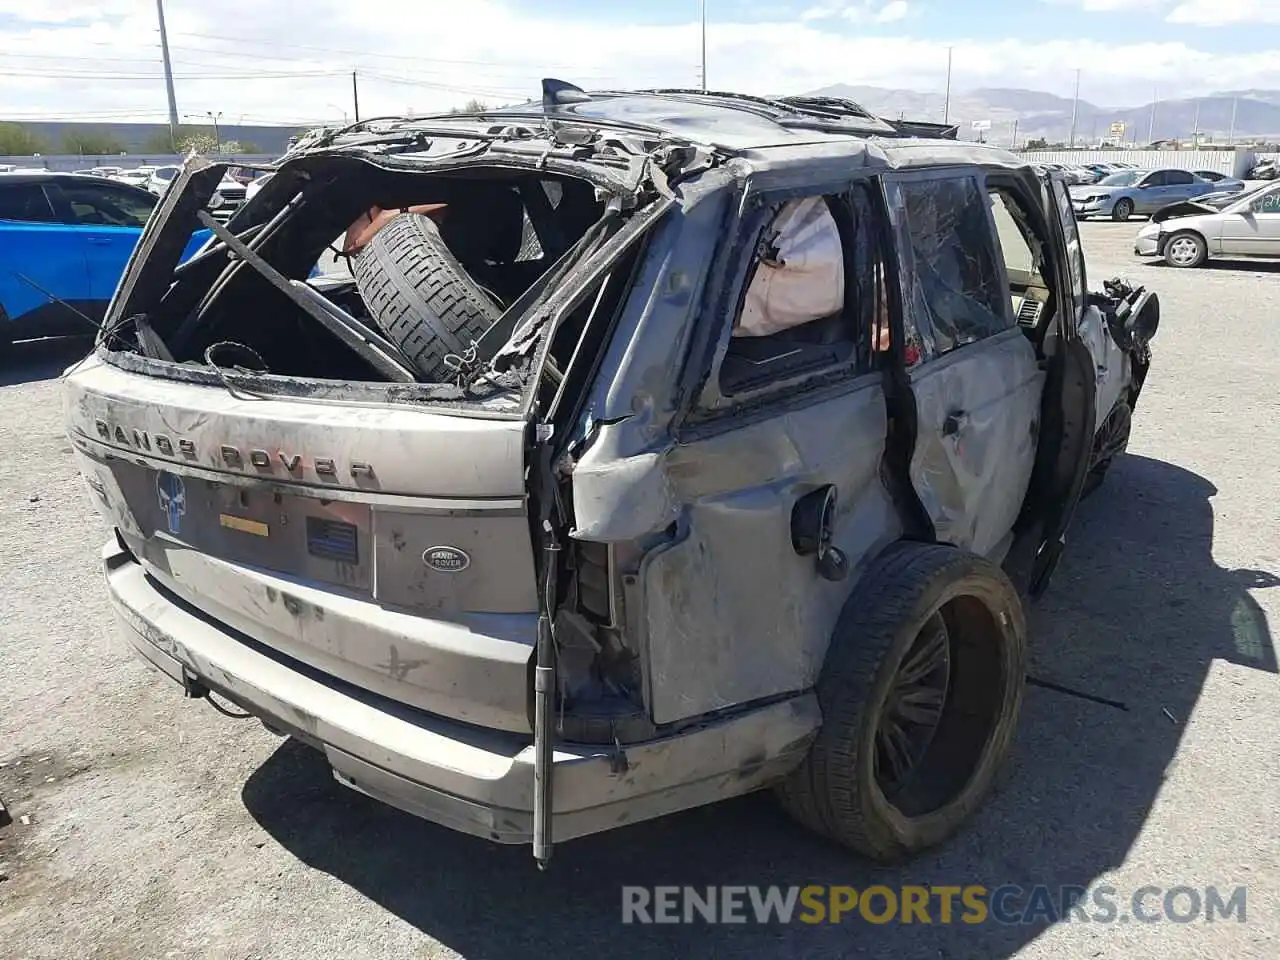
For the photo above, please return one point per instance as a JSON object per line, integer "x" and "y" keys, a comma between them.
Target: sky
{"x": 290, "y": 61}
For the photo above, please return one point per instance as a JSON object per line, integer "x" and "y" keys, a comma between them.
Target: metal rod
{"x": 330, "y": 316}
{"x": 168, "y": 78}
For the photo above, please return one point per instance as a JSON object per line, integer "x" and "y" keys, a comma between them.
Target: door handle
{"x": 955, "y": 420}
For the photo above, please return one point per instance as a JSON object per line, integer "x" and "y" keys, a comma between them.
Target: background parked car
{"x": 1121, "y": 195}
{"x": 1248, "y": 226}
{"x": 1266, "y": 170}
{"x": 64, "y": 242}
{"x": 136, "y": 177}
{"x": 160, "y": 178}
{"x": 1222, "y": 182}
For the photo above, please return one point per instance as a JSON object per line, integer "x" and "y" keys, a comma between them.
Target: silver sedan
{"x": 1188, "y": 234}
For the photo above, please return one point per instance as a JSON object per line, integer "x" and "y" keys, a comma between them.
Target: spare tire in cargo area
{"x": 420, "y": 296}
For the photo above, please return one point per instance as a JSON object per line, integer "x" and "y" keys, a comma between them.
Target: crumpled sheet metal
{"x": 803, "y": 277}
{"x": 1112, "y": 367}
{"x": 973, "y": 483}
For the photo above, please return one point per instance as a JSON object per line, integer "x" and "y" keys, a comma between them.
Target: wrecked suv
{"x": 654, "y": 448}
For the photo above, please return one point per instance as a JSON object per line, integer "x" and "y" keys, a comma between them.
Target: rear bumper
{"x": 466, "y": 778}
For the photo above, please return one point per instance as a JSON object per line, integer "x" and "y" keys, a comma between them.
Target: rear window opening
{"x": 421, "y": 264}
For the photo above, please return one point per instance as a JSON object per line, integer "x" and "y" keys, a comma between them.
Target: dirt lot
{"x": 146, "y": 826}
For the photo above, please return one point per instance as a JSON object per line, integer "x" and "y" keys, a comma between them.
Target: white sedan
{"x": 1187, "y": 234}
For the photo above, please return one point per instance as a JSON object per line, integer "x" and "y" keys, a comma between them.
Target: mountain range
{"x": 1045, "y": 115}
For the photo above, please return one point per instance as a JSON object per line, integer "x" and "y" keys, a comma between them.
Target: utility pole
{"x": 1195, "y": 127}
{"x": 946, "y": 105}
{"x": 355, "y": 96}
{"x": 168, "y": 78}
{"x": 1151, "y": 132}
{"x": 1231, "y": 137}
{"x": 1013, "y": 141}
{"x": 1075, "y": 111}
{"x": 704, "y": 46}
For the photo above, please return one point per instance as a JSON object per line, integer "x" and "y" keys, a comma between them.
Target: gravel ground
{"x": 146, "y": 826}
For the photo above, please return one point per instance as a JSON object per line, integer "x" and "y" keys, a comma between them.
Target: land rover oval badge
{"x": 446, "y": 559}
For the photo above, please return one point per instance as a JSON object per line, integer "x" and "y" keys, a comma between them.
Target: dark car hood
{"x": 1183, "y": 208}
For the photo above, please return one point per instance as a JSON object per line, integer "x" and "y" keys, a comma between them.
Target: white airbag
{"x": 804, "y": 281}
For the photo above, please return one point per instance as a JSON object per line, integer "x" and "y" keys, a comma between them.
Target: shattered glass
{"x": 955, "y": 293}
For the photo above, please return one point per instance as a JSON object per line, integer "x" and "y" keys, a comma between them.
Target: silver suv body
{"x": 782, "y": 417}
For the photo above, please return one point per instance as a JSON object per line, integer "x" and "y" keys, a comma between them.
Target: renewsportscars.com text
{"x": 972, "y": 904}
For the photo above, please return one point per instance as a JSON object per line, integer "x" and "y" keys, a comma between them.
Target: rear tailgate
{"x": 384, "y": 545}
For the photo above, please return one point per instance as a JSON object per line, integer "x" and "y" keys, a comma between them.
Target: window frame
{"x": 40, "y": 188}
{"x": 1271, "y": 194}
{"x": 71, "y": 218}
{"x": 906, "y": 252}
{"x": 731, "y": 272}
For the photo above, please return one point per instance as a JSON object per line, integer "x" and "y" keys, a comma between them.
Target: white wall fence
{"x": 1233, "y": 163}
{"x": 70, "y": 163}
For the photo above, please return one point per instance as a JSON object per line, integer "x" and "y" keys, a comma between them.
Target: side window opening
{"x": 25, "y": 203}
{"x": 955, "y": 293}
{"x": 1270, "y": 203}
{"x": 1023, "y": 254}
{"x": 811, "y": 295}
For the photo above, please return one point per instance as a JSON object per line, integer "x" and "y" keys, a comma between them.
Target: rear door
{"x": 977, "y": 381}
{"x": 791, "y": 407}
{"x": 1152, "y": 192}
{"x": 42, "y": 261}
{"x": 110, "y": 217}
{"x": 1255, "y": 230}
{"x": 1182, "y": 185}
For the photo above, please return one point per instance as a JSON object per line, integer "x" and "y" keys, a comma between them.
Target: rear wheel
{"x": 1185, "y": 249}
{"x": 920, "y": 696}
{"x": 1123, "y": 209}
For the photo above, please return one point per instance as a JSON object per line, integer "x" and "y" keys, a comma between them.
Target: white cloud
{"x": 892, "y": 11}
{"x": 290, "y": 68}
{"x": 1221, "y": 12}
{"x": 865, "y": 11}
{"x": 1206, "y": 13}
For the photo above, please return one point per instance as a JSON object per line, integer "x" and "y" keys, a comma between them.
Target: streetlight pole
{"x": 946, "y": 105}
{"x": 1075, "y": 111}
{"x": 168, "y": 77}
{"x": 1195, "y": 127}
{"x": 217, "y": 134}
{"x": 1231, "y": 137}
{"x": 704, "y": 46}
{"x": 1155, "y": 101}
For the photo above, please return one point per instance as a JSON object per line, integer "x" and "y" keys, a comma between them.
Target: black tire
{"x": 1186, "y": 250}
{"x": 1123, "y": 209}
{"x": 837, "y": 791}
{"x": 1111, "y": 442}
{"x": 420, "y": 296}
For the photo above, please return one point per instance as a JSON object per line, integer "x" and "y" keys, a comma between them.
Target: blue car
{"x": 64, "y": 242}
